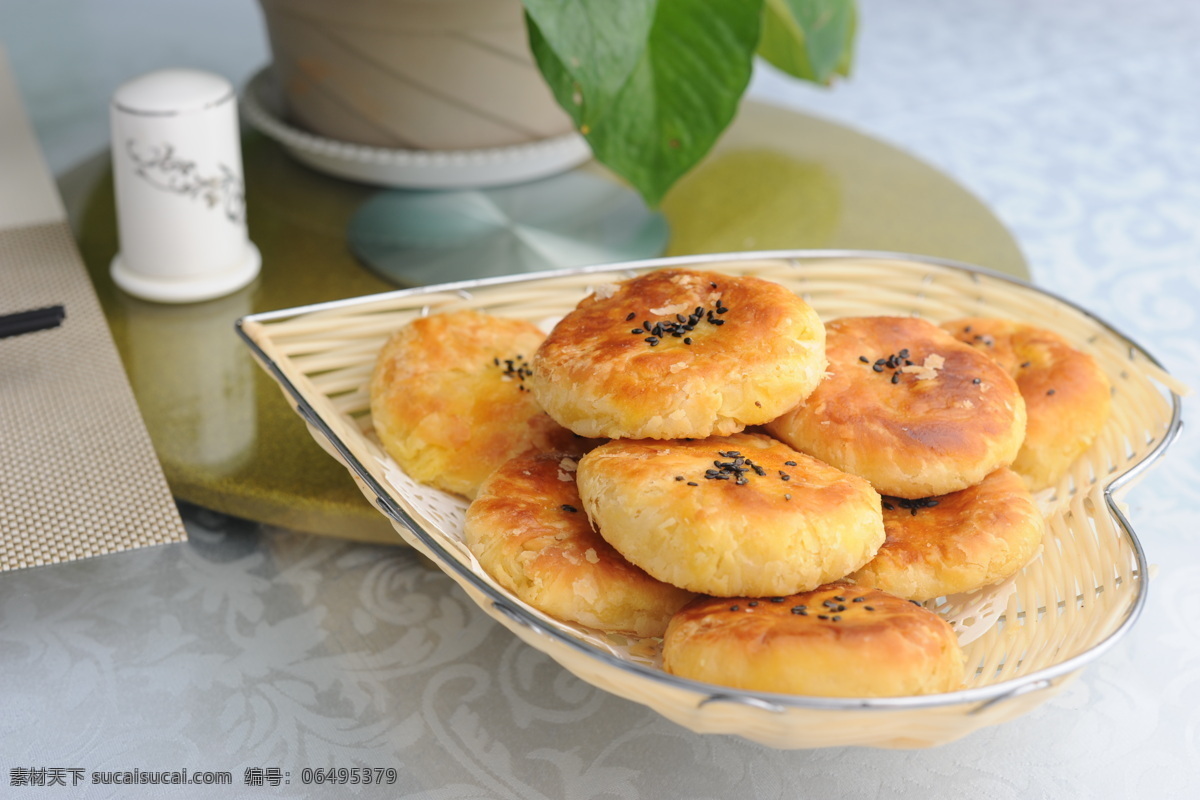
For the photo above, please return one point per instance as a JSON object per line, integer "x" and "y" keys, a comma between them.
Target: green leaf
{"x": 592, "y": 44}
{"x": 846, "y": 62}
{"x": 809, "y": 39}
{"x": 651, "y": 84}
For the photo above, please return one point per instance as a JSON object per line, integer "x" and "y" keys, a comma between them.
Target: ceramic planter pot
{"x": 411, "y": 74}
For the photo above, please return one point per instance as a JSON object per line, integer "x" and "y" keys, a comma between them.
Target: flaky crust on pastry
{"x": 1068, "y": 398}
{"x": 528, "y": 530}
{"x": 730, "y": 515}
{"x": 679, "y": 353}
{"x": 908, "y": 407}
{"x": 956, "y": 542}
{"x": 450, "y": 400}
{"x": 840, "y": 640}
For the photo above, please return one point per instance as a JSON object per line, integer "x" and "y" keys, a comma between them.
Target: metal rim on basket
{"x": 984, "y": 696}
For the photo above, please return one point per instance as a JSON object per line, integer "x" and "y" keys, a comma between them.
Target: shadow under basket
{"x": 1024, "y": 639}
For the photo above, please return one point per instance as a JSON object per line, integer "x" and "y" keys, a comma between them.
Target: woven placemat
{"x": 78, "y": 473}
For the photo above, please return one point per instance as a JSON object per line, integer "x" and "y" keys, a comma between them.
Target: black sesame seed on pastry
{"x": 730, "y": 515}
{"x": 908, "y": 407}
{"x": 839, "y": 640}
{"x": 1068, "y": 398}
{"x": 450, "y": 400}
{"x": 678, "y": 353}
{"x": 528, "y": 530}
{"x": 955, "y": 542}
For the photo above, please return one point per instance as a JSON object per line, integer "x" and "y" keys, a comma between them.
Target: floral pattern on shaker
{"x": 159, "y": 166}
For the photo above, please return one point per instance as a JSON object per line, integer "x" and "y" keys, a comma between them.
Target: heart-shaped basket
{"x": 1023, "y": 639}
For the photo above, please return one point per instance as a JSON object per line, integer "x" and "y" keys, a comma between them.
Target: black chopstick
{"x": 39, "y": 319}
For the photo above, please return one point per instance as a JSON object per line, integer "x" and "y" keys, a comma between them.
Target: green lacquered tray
{"x": 778, "y": 179}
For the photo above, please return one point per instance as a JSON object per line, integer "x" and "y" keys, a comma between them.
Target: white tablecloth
{"x": 1077, "y": 121}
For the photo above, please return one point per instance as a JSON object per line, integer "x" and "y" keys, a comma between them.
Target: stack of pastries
{"x": 699, "y": 457}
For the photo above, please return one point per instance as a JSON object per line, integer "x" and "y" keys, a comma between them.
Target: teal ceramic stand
{"x": 574, "y": 219}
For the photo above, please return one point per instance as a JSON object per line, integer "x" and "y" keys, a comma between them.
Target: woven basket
{"x": 1023, "y": 639}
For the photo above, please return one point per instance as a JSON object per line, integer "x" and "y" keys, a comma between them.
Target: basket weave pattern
{"x": 1023, "y": 638}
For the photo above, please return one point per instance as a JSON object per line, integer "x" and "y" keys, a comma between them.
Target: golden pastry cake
{"x": 730, "y": 515}
{"x": 678, "y": 353}
{"x": 839, "y": 640}
{"x": 1068, "y": 398}
{"x": 908, "y": 407}
{"x": 957, "y": 542}
{"x": 528, "y": 530}
{"x": 450, "y": 399}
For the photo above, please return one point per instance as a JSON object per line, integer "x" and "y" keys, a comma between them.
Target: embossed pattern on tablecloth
{"x": 1075, "y": 120}
{"x": 78, "y": 474}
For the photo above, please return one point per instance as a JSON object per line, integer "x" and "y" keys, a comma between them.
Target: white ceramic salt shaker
{"x": 177, "y": 169}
